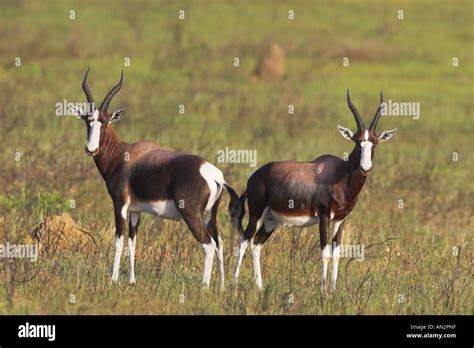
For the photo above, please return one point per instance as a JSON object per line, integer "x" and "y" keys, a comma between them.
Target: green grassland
{"x": 419, "y": 258}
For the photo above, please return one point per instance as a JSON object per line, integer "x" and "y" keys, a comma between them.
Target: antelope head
{"x": 366, "y": 139}
{"x": 97, "y": 120}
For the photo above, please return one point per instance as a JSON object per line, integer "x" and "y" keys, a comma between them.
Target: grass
{"x": 410, "y": 265}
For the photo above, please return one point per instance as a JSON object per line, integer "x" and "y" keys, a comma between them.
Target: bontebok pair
{"x": 144, "y": 178}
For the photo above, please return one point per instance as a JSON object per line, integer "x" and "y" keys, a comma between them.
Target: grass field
{"x": 419, "y": 256}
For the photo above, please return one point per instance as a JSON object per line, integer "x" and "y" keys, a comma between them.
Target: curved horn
{"x": 86, "y": 89}
{"x": 108, "y": 98}
{"x": 358, "y": 119}
{"x": 376, "y": 119}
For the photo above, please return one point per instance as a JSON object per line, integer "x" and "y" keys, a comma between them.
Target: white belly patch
{"x": 165, "y": 209}
{"x": 294, "y": 220}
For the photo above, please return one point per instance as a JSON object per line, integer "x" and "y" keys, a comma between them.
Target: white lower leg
{"x": 118, "y": 254}
{"x": 132, "y": 243}
{"x": 256, "y": 264}
{"x": 326, "y": 256}
{"x": 209, "y": 251}
{"x": 336, "y": 254}
{"x": 220, "y": 259}
{"x": 131, "y": 254}
{"x": 243, "y": 247}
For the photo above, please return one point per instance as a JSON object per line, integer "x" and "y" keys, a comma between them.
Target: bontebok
{"x": 302, "y": 194}
{"x": 142, "y": 177}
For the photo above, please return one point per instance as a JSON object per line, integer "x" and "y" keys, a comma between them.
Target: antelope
{"x": 144, "y": 178}
{"x": 301, "y": 194}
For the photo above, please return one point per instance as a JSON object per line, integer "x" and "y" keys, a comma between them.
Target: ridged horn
{"x": 376, "y": 119}
{"x": 86, "y": 88}
{"x": 358, "y": 119}
{"x": 108, "y": 98}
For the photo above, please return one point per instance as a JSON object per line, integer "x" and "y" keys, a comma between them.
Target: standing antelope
{"x": 142, "y": 177}
{"x": 302, "y": 194}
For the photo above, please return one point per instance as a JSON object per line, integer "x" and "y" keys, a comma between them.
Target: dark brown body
{"x": 325, "y": 188}
{"x": 315, "y": 188}
{"x": 301, "y": 194}
{"x": 142, "y": 177}
{"x": 143, "y": 172}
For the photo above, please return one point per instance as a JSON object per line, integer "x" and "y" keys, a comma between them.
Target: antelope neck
{"x": 356, "y": 178}
{"x": 111, "y": 153}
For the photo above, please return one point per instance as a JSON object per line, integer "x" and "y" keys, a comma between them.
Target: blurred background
{"x": 288, "y": 53}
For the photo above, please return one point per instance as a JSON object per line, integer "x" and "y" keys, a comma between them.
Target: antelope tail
{"x": 237, "y": 209}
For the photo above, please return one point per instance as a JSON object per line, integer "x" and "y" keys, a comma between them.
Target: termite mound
{"x": 61, "y": 232}
{"x": 271, "y": 63}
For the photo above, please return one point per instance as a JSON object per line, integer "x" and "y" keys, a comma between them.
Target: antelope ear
{"x": 117, "y": 115}
{"x": 387, "y": 135}
{"x": 346, "y": 132}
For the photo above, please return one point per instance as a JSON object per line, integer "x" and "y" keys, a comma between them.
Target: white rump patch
{"x": 213, "y": 176}
{"x": 165, "y": 209}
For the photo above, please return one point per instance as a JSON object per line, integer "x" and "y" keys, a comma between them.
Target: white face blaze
{"x": 93, "y": 138}
{"x": 366, "y": 154}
